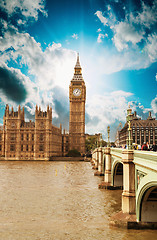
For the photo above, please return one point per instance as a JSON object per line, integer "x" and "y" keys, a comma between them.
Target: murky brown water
{"x": 58, "y": 200}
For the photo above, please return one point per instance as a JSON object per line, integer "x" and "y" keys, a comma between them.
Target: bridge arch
{"x": 117, "y": 174}
{"x": 146, "y": 207}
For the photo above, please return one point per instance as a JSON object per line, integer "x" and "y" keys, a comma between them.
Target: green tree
{"x": 73, "y": 153}
{"x": 90, "y": 143}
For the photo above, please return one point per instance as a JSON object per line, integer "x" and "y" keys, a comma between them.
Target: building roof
{"x": 141, "y": 123}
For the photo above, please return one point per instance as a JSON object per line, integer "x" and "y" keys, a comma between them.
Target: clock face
{"x": 12, "y": 124}
{"x": 77, "y": 92}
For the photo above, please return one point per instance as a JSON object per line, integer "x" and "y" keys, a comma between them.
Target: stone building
{"x": 41, "y": 140}
{"x": 37, "y": 140}
{"x": 142, "y": 130}
{"x": 77, "y": 98}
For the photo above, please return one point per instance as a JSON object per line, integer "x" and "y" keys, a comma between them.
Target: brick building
{"x": 142, "y": 130}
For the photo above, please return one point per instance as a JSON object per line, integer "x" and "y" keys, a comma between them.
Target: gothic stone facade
{"x": 41, "y": 140}
{"x": 20, "y": 140}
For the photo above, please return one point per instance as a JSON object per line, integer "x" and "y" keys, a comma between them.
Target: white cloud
{"x": 75, "y": 36}
{"x": 27, "y": 8}
{"x": 154, "y": 105}
{"x": 134, "y": 47}
{"x": 125, "y": 33}
{"x": 99, "y": 30}
{"x": 147, "y": 16}
{"x": 101, "y": 17}
{"x": 111, "y": 108}
{"x": 107, "y": 108}
{"x": 51, "y": 67}
{"x": 109, "y": 62}
{"x": 21, "y": 22}
{"x": 100, "y": 37}
{"x": 151, "y": 47}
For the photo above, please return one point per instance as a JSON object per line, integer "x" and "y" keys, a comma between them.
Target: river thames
{"x": 57, "y": 201}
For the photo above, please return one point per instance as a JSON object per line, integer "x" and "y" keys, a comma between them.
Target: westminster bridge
{"x": 136, "y": 173}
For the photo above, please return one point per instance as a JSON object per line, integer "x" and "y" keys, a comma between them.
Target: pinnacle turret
{"x": 78, "y": 71}
{"x": 78, "y": 62}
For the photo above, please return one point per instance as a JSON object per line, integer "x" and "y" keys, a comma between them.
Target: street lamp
{"x": 129, "y": 139}
{"x": 100, "y": 139}
{"x": 108, "y": 131}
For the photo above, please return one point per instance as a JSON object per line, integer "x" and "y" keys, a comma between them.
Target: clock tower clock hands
{"x": 76, "y": 92}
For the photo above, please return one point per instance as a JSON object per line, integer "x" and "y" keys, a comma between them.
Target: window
{"x": 12, "y": 136}
{"x": 41, "y": 148}
{"x": 32, "y": 148}
{"x": 41, "y": 137}
{"x": 27, "y": 136}
{"x": 22, "y": 137}
{"x": 0, "y": 147}
{"x": 12, "y": 147}
{"x": 32, "y": 137}
{"x": 26, "y": 147}
{"x": 0, "y": 137}
{"x": 21, "y": 148}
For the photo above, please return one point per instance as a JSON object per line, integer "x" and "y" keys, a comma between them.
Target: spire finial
{"x": 78, "y": 62}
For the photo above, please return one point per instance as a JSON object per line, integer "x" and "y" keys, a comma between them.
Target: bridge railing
{"x": 139, "y": 170}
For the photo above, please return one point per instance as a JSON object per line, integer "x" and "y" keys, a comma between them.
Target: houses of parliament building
{"x": 41, "y": 140}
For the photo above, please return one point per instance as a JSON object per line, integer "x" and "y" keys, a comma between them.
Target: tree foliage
{"x": 91, "y": 143}
{"x": 73, "y": 153}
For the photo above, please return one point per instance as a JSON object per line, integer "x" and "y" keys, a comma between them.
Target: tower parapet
{"x": 43, "y": 114}
{"x": 13, "y": 114}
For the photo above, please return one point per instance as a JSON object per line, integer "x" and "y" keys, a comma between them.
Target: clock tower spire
{"x": 77, "y": 98}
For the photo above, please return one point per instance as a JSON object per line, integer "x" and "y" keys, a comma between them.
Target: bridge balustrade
{"x": 136, "y": 173}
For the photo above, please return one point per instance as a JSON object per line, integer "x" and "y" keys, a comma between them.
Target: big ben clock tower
{"x": 77, "y": 97}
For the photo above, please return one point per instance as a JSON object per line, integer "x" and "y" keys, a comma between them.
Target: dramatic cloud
{"x": 106, "y": 109}
{"x": 147, "y": 16}
{"x": 151, "y": 47}
{"x": 12, "y": 84}
{"x": 128, "y": 41}
{"x": 134, "y": 34}
{"x": 125, "y": 33}
{"x": 56, "y": 63}
{"x": 27, "y": 8}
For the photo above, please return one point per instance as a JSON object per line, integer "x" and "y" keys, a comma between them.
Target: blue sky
{"x": 117, "y": 43}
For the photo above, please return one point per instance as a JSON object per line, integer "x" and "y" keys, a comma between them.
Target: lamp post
{"x": 108, "y": 131}
{"x": 100, "y": 139}
{"x": 129, "y": 138}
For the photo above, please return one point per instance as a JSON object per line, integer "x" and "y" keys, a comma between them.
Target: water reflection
{"x": 57, "y": 200}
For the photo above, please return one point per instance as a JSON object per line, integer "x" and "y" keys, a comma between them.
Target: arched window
{"x": 41, "y": 147}
{"x": 41, "y": 137}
